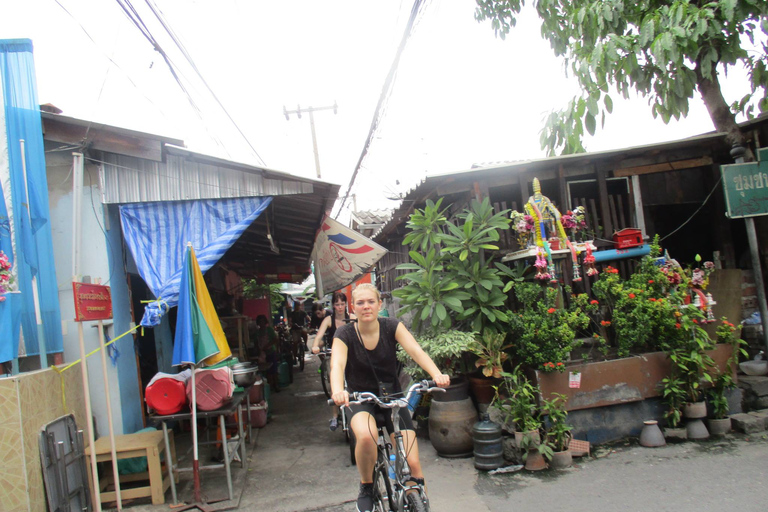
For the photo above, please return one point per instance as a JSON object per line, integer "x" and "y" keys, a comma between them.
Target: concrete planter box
{"x": 619, "y": 381}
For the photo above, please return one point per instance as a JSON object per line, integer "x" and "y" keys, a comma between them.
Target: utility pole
{"x": 311, "y": 111}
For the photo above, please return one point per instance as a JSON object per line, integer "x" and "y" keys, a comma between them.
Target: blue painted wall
{"x": 130, "y": 395}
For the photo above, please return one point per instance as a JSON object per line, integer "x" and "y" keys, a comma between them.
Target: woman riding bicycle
{"x": 365, "y": 354}
{"x": 326, "y": 332}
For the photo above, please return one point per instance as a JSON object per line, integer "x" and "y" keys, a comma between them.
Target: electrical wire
{"x": 110, "y": 59}
{"x": 694, "y": 213}
{"x": 386, "y": 91}
{"x": 135, "y": 18}
{"x": 159, "y": 15}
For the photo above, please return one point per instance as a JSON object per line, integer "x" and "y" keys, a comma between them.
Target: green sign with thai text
{"x": 746, "y": 187}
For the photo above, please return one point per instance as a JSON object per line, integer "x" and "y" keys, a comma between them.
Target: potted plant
{"x": 490, "y": 350}
{"x": 450, "y": 415}
{"x": 516, "y": 401}
{"x": 448, "y": 349}
{"x": 691, "y": 360}
{"x": 723, "y": 380}
{"x": 558, "y": 432}
{"x": 673, "y": 395}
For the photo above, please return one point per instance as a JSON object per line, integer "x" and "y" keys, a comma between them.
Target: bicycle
{"x": 325, "y": 370}
{"x": 404, "y": 497}
{"x": 297, "y": 348}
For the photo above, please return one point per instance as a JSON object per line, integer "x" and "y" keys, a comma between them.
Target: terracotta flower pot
{"x": 482, "y": 388}
{"x": 696, "y": 429}
{"x": 719, "y": 426}
{"x": 695, "y": 410}
{"x": 533, "y": 435}
{"x": 535, "y": 461}
{"x": 561, "y": 460}
{"x": 651, "y": 435}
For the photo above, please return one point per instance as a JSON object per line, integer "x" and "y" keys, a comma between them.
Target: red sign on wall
{"x": 92, "y": 302}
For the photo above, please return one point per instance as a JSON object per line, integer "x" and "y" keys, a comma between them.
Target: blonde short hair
{"x": 369, "y": 287}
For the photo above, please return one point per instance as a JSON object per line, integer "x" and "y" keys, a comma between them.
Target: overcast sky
{"x": 461, "y": 95}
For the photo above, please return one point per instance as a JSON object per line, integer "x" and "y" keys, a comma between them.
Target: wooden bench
{"x": 142, "y": 444}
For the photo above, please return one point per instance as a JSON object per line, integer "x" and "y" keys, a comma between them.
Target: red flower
{"x": 593, "y": 301}
{"x": 559, "y": 364}
{"x": 551, "y": 310}
{"x": 677, "y": 326}
{"x": 652, "y": 299}
{"x": 631, "y": 295}
{"x": 605, "y": 323}
{"x": 650, "y": 281}
{"x": 695, "y": 321}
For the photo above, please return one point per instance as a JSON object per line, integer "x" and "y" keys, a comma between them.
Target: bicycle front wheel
{"x": 413, "y": 503}
{"x": 325, "y": 377}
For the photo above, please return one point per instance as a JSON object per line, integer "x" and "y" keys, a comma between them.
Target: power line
{"x": 135, "y": 18}
{"x": 159, "y": 15}
{"x": 386, "y": 90}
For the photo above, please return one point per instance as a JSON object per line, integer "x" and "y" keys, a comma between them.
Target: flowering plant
{"x": 544, "y": 331}
{"x": 575, "y": 219}
{"x": 522, "y": 224}
{"x": 6, "y": 279}
{"x": 636, "y": 314}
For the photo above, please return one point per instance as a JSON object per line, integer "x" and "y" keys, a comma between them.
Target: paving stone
{"x": 754, "y": 384}
{"x": 747, "y": 423}
{"x": 763, "y": 415}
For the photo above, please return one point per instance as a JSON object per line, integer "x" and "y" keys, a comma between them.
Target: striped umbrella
{"x": 199, "y": 336}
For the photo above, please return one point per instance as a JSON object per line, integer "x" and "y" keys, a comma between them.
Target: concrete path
{"x": 297, "y": 464}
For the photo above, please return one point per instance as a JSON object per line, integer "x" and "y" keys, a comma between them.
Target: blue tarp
{"x": 32, "y": 228}
{"x": 157, "y": 234}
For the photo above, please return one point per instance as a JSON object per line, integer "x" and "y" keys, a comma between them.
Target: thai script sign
{"x": 746, "y": 188}
{"x": 92, "y": 302}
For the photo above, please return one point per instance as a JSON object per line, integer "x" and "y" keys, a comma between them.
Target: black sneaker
{"x": 333, "y": 424}
{"x": 365, "y": 498}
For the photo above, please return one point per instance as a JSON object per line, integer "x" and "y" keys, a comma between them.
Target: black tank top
{"x": 359, "y": 374}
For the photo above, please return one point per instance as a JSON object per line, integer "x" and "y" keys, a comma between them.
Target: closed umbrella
{"x": 199, "y": 337}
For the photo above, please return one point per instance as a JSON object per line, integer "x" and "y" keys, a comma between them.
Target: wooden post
{"x": 103, "y": 351}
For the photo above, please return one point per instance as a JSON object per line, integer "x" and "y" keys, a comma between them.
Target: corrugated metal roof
{"x": 128, "y": 179}
{"x": 428, "y": 186}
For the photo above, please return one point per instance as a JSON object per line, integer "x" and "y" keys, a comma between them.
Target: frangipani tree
{"x": 664, "y": 50}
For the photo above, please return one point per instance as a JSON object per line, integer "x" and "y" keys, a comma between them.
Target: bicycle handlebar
{"x": 425, "y": 386}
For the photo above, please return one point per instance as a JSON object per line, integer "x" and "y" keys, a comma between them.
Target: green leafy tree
{"x": 664, "y": 50}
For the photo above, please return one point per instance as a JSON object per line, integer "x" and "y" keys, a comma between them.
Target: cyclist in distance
{"x": 364, "y": 354}
{"x": 299, "y": 320}
{"x": 325, "y": 335}
{"x": 319, "y": 313}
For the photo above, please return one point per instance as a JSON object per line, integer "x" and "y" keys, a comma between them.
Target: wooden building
{"x": 672, "y": 189}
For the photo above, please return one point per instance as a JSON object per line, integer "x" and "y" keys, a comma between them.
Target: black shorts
{"x": 382, "y": 416}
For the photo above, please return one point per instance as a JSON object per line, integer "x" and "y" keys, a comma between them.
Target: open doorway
{"x": 147, "y": 350}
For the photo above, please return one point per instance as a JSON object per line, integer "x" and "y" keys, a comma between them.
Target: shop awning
{"x": 157, "y": 234}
